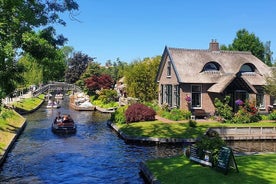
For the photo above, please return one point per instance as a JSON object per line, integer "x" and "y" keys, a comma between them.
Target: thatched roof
{"x": 188, "y": 65}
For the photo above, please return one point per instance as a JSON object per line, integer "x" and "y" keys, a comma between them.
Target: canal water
{"x": 95, "y": 154}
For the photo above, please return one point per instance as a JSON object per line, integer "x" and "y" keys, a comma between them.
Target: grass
{"x": 10, "y": 122}
{"x": 178, "y": 170}
{"x": 29, "y": 104}
{"x": 179, "y": 129}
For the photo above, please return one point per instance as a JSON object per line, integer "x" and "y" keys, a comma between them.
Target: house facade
{"x": 191, "y": 78}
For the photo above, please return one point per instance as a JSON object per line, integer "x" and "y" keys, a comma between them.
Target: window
{"x": 170, "y": 94}
{"x": 196, "y": 96}
{"x": 247, "y": 68}
{"x": 211, "y": 66}
{"x": 260, "y": 102}
{"x": 169, "y": 68}
{"x": 162, "y": 94}
{"x": 176, "y": 96}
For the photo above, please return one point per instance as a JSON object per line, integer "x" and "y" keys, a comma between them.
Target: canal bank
{"x": 155, "y": 140}
{"x": 227, "y": 133}
{"x": 10, "y": 134}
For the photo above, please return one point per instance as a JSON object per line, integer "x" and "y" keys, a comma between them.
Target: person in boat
{"x": 58, "y": 118}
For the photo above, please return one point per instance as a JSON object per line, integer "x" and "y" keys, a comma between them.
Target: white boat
{"x": 59, "y": 96}
{"x": 53, "y": 104}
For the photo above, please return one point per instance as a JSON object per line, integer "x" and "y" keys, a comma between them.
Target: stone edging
{"x": 12, "y": 141}
{"x": 22, "y": 112}
{"x": 147, "y": 174}
{"x": 149, "y": 139}
{"x": 17, "y": 134}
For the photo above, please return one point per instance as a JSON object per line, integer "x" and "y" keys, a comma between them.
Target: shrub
{"x": 223, "y": 109}
{"x": 192, "y": 123}
{"x": 272, "y": 116}
{"x": 242, "y": 116}
{"x": 108, "y": 95}
{"x": 119, "y": 115}
{"x": 247, "y": 113}
{"x": 153, "y": 104}
{"x": 211, "y": 142}
{"x": 176, "y": 114}
{"x": 139, "y": 112}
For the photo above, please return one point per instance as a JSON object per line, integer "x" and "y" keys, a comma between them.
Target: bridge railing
{"x": 56, "y": 86}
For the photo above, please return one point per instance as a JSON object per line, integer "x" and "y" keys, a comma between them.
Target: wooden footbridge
{"x": 56, "y": 86}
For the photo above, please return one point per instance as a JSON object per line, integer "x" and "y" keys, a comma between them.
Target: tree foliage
{"x": 33, "y": 73}
{"x": 115, "y": 69}
{"x": 96, "y": 82}
{"x": 245, "y": 41}
{"x": 270, "y": 86}
{"x": 17, "y": 20}
{"x": 140, "y": 79}
{"x": 76, "y": 67}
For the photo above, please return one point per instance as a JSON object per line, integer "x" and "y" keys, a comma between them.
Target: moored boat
{"x": 64, "y": 125}
{"x": 59, "y": 96}
{"x": 53, "y": 104}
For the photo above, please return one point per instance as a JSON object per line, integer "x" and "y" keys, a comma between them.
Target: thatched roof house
{"x": 206, "y": 74}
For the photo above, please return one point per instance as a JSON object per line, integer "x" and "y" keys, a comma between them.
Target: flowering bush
{"x": 239, "y": 102}
{"x": 247, "y": 113}
{"x": 188, "y": 99}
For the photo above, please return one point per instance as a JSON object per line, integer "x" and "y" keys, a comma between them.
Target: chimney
{"x": 214, "y": 45}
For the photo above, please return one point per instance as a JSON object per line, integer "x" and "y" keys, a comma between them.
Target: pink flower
{"x": 188, "y": 99}
{"x": 239, "y": 102}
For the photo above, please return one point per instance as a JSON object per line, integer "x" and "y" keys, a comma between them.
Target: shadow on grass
{"x": 181, "y": 170}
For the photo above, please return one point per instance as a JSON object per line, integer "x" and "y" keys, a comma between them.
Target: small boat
{"x": 59, "y": 96}
{"x": 53, "y": 104}
{"x": 64, "y": 125}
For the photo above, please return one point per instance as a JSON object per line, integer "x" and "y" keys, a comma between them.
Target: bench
{"x": 194, "y": 156}
{"x": 200, "y": 113}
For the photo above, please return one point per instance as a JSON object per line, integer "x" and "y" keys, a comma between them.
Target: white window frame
{"x": 200, "y": 94}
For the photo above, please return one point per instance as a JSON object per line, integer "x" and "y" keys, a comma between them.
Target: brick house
{"x": 203, "y": 75}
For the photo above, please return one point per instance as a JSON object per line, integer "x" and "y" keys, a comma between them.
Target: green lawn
{"x": 10, "y": 122}
{"x": 29, "y": 104}
{"x": 177, "y": 130}
{"x": 252, "y": 169}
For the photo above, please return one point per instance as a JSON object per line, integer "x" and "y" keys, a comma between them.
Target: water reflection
{"x": 253, "y": 146}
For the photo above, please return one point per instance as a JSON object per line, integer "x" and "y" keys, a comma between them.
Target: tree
{"x": 33, "y": 73}
{"x": 270, "y": 86}
{"x": 268, "y": 54}
{"x": 115, "y": 69}
{"x": 17, "y": 20}
{"x": 246, "y": 41}
{"x": 140, "y": 79}
{"x": 43, "y": 47}
{"x": 77, "y": 66}
{"x": 96, "y": 82}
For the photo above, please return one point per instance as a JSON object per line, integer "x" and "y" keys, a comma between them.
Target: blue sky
{"x": 135, "y": 29}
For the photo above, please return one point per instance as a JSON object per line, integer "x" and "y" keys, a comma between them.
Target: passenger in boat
{"x": 58, "y": 119}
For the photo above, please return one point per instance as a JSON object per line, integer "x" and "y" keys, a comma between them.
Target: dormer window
{"x": 169, "y": 68}
{"x": 247, "y": 68}
{"x": 211, "y": 66}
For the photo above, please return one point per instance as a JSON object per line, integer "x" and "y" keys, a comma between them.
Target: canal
{"x": 95, "y": 154}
